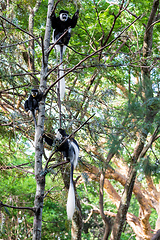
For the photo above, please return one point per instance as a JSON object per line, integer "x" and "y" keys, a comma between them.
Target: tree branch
{"x": 104, "y": 217}
{"x": 152, "y": 139}
{"x": 20, "y": 29}
{"x": 14, "y": 207}
{"x": 156, "y": 235}
{"x": 19, "y": 43}
{"x": 55, "y": 7}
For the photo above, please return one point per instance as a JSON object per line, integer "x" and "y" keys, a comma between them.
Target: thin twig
{"x": 37, "y": 80}
{"x": 55, "y": 7}
{"x": 20, "y": 74}
{"x": 19, "y": 43}
{"x": 48, "y": 191}
{"x": 5, "y": 124}
{"x": 58, "y": 164}
{"x": 23, "y": 169}
{"x": 50, "y": 71}
{"x": 6, "y": 90}
{"x": 20, "y": 29}
{"x": 9, "y": 167}
{"x": 82, "y": 54}
{"x": 151, "y": 140}
{"x": 15, "y": 207}
{"x": 152, "y": 25}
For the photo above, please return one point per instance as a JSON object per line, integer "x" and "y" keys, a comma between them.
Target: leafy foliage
{"x": 108, "y": 84}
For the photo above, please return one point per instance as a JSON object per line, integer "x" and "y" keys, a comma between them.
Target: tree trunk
{"x": 124, "y": 205}
{"x": 106, "y": 219}
{"x": 39, "y": 174}
{"x": 147, "y": 49}
{"x": 156, "y": 236}
{"x": 77, "y": 222}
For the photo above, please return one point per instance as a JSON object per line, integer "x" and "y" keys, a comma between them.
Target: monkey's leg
{"x": 61, "y": 53}
{"x": 34, "y": 118}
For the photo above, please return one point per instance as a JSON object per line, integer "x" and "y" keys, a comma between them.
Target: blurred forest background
{"x": 117, "y": 79}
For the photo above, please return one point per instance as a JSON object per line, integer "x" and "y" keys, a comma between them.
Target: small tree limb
{"x": 31, "y": 35}
{"x": 55, "y": 7}
{"x": 15, "y": 207}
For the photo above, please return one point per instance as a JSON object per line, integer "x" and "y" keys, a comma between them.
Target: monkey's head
{"x": 63, "y": 15}
{"x": 34, "y": 92}
{"x": 60, "y": 134}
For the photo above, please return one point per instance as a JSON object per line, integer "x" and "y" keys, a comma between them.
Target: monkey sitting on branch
{"x": 70, "y": 151}
{"x": 32, "y": 103}
{"x": 60, "y": 25}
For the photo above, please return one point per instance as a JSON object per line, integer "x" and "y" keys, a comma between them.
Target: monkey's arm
{"x": 74, "y": 19}
{"x": 26, "y": 106}
{"x": 48, "y": 140}
{"x": 53, "y": 11}
{"x": 30, "y": 102}
{"x": 39, "y": 97}
{"x": 53, "y": 20}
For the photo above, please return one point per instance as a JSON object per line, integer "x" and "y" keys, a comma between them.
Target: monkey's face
{"x": 63, "y": 17}
{"x": 34, "y": 93}
{"x": 58, "y": 135}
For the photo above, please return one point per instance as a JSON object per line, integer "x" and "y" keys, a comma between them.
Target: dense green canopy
{"x": 112, "y": 66}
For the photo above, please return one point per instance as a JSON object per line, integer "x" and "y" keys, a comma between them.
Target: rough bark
{"x": 156, "y": 236}
{"x": 124, "y": 205}
{"x": 126, "y": 196}
{"x": 76, "y": 229}
{"x": 147, "y": 49}
{"x": 106, "y": 219}
{"x": 39, "y": 174}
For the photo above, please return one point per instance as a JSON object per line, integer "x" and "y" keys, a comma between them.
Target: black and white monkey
{"x": 70, "y": 151}
{"x": 32, "y": 103}
{"x": 60, "y": 24}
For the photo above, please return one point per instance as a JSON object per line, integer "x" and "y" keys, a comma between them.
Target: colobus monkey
{"x": 60, "y": 25}
{"x": 32, "y": 103}
{"x": 70, "y": 151}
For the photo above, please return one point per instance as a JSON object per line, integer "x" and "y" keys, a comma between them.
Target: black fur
{"x": 70, "y": 150}
{"x": 32, "y": 103}
{"x": 65, "y": 148}
{"x": 61, "y": 26}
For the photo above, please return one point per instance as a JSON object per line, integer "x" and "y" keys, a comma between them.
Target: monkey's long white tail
{"x": 71, "y": 196}
{"x": 61, "y": 82}
{"x": 61, "y": 50}
{"x": 74, "y": 160}
{"x": 61, "y": 73}
{"x": 32, "y": 113}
